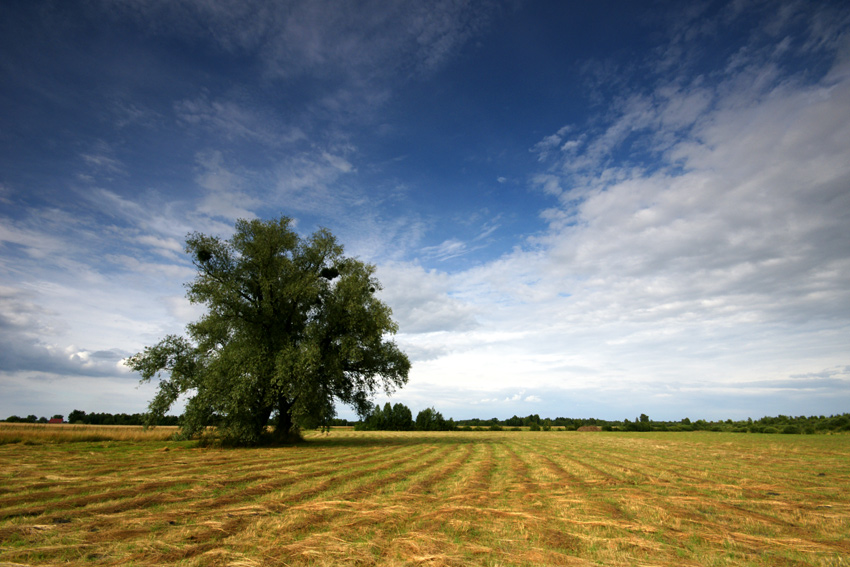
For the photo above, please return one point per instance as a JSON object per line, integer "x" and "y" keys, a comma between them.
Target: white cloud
{"x": 234, "y": 120}
{"x": 363, "y": 46}
{"x": 448, "y": 249}
{"x": 314, "y": 183}
{"x": 421, "y": 302}
{"x": 103, "y": 163}
{"x": 167, "y": 247}
{"x": 719, "y": 260}
{"x": 545, "y": 147}
{"x": 226, "y": 197}
{"x": 182, "y": 310}
{"x": 44, "y": 394}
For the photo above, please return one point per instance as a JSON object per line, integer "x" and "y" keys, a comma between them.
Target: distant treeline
{"x": 83, "y": 418}
{"x": 398, "y": 417}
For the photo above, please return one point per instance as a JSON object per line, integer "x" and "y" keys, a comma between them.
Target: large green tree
{"x": 292, "y": 325}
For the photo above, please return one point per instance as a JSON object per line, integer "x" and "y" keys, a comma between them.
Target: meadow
{"x": 124, "y": 496}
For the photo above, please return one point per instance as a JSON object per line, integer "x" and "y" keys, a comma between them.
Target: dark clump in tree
{"x": 291, "y": 326}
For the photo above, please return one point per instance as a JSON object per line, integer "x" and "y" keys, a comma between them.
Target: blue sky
{"x": 592, "y": 209}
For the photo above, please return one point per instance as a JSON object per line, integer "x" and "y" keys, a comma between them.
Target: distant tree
{"x": 397, "y": 417}
{"x": 58, "y": 416}
{"x": 292, "y": 326}
{"x": 76, "y": 416}
{"x": 402, "y": 418}
{"x": 377, "y": 419}
{"x": 430, "y": 419}
{"x": 514, "y": 421}
{"x": 533, "y": 418}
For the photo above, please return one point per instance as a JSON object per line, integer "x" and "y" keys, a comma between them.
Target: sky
{"x": 579, "y": 209}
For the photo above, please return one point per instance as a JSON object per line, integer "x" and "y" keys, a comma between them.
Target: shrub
{"x": 534, "y": 426}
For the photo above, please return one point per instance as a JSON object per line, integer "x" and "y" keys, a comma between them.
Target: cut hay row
{"x": 460, "y": 498}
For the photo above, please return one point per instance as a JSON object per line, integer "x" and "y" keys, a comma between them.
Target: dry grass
{"x": 38, "y": 433}
{"x": 381, "y": 498}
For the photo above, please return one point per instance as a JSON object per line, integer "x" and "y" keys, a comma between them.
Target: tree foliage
{"x": 397, "y": 417}
{"x": 291, "y": 326}
{"x": 430, "y": 419}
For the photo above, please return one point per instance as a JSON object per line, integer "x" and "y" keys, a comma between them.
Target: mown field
{"x": 459, "y": 498}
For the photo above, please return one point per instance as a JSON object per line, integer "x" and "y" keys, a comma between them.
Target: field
{"x": 129, "y": 497}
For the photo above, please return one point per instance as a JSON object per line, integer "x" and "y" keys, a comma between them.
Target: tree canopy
{"x": 292, "y": 325}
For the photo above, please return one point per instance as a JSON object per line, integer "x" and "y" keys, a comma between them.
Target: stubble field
{"x": 459, "y": 498}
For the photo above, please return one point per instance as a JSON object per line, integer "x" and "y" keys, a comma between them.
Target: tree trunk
{"x": 262, "y": 421}
{"x": 283, "y": 426}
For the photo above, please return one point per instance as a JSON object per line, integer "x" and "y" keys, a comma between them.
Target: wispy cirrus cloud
{"x": 236, "y": 120}
{"x": 374, "y": 40}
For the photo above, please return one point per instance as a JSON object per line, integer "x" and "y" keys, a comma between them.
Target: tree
{"x": 291, "y": 326}
{"x": 430, "y": 419}
{"x": 391, "y": 418}
{"x": 402, "y": 418}
{"x": 76, "y": 416}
